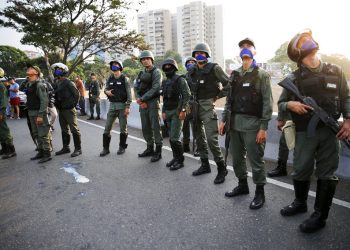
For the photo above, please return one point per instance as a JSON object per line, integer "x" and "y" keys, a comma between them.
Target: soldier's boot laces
{"x": 241, "y": 189}
{"x": 106, "y": 141}
{"x": 203, "y": 169}
{"x": 280, "y": 170}
{"x": 324, "y": 195}
{"x": 299, "y": 205}
{"x": 259, "y": 198}
{"x": 222, "y": 172}
{"x": 157, "y": 154}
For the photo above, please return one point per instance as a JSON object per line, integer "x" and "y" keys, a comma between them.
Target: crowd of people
{"x": 189, "y": 101}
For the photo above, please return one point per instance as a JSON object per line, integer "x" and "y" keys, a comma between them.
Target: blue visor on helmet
{"x": 309, "y": 45}
{"x": 115, "y": 68}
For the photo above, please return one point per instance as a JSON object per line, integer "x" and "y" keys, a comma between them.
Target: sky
{"x": 268, "y": 22}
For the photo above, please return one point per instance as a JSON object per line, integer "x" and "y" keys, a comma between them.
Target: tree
{"x": 13, "y": 61}
{"x": 82, "y": 28}
{"x": 339, "y": 60}
{"x": 281, "y": 57}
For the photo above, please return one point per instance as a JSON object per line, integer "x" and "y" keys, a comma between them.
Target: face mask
{"x": 201, "y": 58}
{"x": 58, "y": 72}
{"x": 309, "y": 45}
{"x": 246, "y": 52}
{"x": 115, "y": 68}
{"x": 189, "y": 66}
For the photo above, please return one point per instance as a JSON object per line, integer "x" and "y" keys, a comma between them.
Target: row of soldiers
{"x": 245, "y": 118}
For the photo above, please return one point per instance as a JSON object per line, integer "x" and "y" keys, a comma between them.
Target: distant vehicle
{"x": 22, "y": 97}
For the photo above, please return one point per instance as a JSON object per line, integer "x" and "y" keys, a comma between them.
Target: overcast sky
{"x": 269, "y": 23}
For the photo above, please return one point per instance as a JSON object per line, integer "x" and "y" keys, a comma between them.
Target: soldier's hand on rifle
{"x": 280, "y": 124}
{"x": 344, "y": 132}
{"x": 143, "y": 105}
{"x": 126, "y": 111}
{"x": 182, "y": 115}
{"x": 298, "y": 107}
{"x": 261, "y": 136}
{"x": 221, "y": 128}
{"x": 39, "y": 120}
{"x": 164, "y": 116}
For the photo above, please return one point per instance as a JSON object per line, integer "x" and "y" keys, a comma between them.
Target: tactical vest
{"x": 64, "y": 98}
{"x": 171, "y": 92}
{"x": 205, "y": 83}
{"x": 144, "y": 81}
{"x": 93, "y": 88}
{"x": 246, "y": 99}
{"x": 118, "y": 88}
{"x": 323, "y": 87}
{"x": 33, "y": 101}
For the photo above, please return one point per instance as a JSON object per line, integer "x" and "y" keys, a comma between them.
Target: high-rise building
{"x": 156, "y": 25}
{"x": 197, "y": 22}
{"x": 174, "y": 31}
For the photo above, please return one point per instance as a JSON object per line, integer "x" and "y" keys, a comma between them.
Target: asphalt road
{"x": 130, "y": 203}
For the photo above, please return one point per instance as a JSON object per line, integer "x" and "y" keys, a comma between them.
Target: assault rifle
{"x": 317, "y": 113}
{"x": 228, "y": 122}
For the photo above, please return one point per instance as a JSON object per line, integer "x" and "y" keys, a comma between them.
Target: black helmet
{"x": 171, "y": 62}
{"x": 295, "y": 50}
{"x": 116, "y": 61}
{"x": 204, "y": 47}
{"x": 246, "y": 40}
{"x": 190, "y": 59}
{"x": 146, "y": 54}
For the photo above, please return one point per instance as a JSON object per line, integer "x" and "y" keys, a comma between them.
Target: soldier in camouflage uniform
{"x": 118, "y": 92}
{"x": 94, "y": 97}
{"x": 176, "y": 94}
{"x": 250, "y": 102}
{"x": 147, "y": 88}
{"x": 6, "y": 140}
{"x": 327, "y": 85}
{"x": 206, "y": 81}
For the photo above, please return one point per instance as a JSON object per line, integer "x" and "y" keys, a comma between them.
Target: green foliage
{"x": 281, "y": 56}
{"x": 13, "y": 61}
{"x": 131, "y": 72}
{"x": 133, "y": 63}
{"x": 78, "y": 28}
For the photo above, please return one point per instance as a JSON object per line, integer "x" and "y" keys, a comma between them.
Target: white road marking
{"x": 71, "y": 170}
{"x": 269, "y": 180}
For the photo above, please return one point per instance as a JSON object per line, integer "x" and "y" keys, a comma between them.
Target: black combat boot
{"x": 172, "y": 161}
{"x": 299, "y": 205}
{"x": 46, "y": 156}
{"x": 203, "y": 169}
{"x": 90, "y": 118}
{"x": 324, "y": 195}
{"x": 9, "y": 151}
{"x": 241, "y": 189}
{"x": 77, "y": 145}
{"x": 98, "y": 117}
{"x": 122, "y": 143}
{"x": 38, "y": 155}
{"x": 179, "y": 156}
{"x": 222, "y": 172}
{"x": 186, "y": 147}
{"x": 280, "y": 170}
{"x": 65, "y": 141}
{"x": 3, "y": 146}
{"x": 148, "y": 152}
{"x": 259, "y": 198}
{"x": 106, "y": 141}
{"x": 157, "y": 154}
